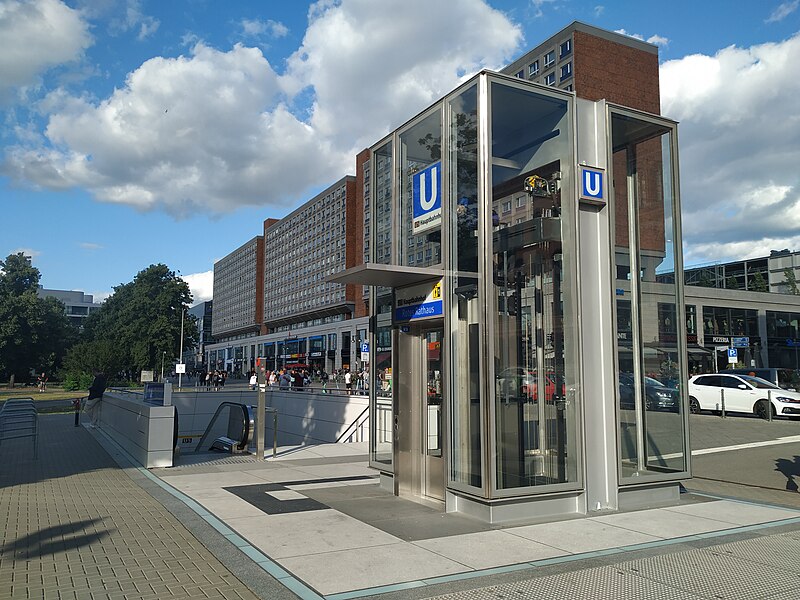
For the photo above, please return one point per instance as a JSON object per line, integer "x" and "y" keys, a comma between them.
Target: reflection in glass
{"x": 649, "y": 356}
{"x": 531, "y": 142}
{"x": 382, "y": 190}
{"x": 467, "y": 300}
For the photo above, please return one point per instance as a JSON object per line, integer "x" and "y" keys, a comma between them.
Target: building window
{"x": 533, "y": 69}
{"x": 565, "y": 48}
{"x": 520, "y": 75}
{"x": 566, "y": 71}
{"x": 507, "y": 206}
{"x": 549, "y": 79}
{"x": 549, "y": 58}
{"x": 568, "y": 87}
{"x": 520, "y": 201}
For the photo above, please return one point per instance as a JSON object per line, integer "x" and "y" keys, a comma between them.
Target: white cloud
{"x": 782, "y": 11}
{"x": 134, "y": 19}
{"x": 90, "y": 246}
{"x": 599, "y": 10}
{"x": 36, "y": 36}
{"x": 373, "y": 65}
{"x": 215, "y": 129}
{"x": 201, "y": 285}
{"x": 256, "y": 28}
{"x": 739, "y": 146}
{"x": 657, "y": 40}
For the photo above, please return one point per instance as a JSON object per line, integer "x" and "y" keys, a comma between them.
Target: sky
{"x": 137, "y": 132}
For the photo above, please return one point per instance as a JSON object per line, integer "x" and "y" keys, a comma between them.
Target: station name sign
{"x": 419, "y": 302}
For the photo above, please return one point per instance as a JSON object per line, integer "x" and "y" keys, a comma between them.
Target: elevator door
{"x": 419, "y": 413}
{"x": 433, "y": 419}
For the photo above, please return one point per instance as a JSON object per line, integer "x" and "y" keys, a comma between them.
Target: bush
{"x": 77, "y": 381}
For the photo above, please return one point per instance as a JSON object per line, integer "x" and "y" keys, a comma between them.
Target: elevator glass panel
{"x": 467, "y": 300}
{"x": 534, "y": 422}
{"x": 651, "y": 345}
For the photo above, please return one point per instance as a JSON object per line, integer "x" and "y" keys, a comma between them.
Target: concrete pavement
{"x": 82, "y": 522}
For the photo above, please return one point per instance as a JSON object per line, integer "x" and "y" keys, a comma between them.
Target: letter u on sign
{"x": 592, "y": 184}
{"x": 426, "y": 190}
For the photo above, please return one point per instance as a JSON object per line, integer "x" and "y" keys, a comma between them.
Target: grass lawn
{"x": 52, "y": 393}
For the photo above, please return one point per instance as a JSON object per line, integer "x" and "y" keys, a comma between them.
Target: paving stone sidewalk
{"x": 76, "y": 525}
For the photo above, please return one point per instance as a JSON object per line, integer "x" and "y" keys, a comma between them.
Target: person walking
{"x": 96, "y": 390}
{"x": 348, "y": 380}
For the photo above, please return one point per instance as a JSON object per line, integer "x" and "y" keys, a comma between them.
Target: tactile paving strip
{"x": 710, "y": 574}
{"x": 759, "y": 568}
{"x": 601, "y": 583}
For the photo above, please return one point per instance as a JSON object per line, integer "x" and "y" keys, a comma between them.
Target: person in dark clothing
{"x": 96, "y": 390}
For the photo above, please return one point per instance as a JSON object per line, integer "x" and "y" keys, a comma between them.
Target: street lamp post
{"x": 180, "y": 355}
{"x": 163, "y": 356}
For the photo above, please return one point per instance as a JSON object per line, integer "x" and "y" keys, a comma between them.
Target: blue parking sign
{"x": 733, "y": 355}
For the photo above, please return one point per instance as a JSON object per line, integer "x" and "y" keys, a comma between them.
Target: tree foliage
{"x": 758, "y": 283}
{"x": 137, "y": 326}
{"x": 34, "y": 332}
{"x": 790, "y": 281}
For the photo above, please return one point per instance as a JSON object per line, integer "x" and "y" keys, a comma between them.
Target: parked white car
{"x": 743, "y": 393}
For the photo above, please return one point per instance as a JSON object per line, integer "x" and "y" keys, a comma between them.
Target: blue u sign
{"x": 592, "y": 184}
{"x": 426, "y": 190}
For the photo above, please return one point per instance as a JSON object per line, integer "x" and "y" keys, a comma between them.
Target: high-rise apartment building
{"x": 595, "y": 64}
{"x": 238, "y": 300}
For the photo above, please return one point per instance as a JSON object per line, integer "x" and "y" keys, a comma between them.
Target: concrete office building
{"x": 238, "y": 300}
{"x": 494, "y": 375}
{"x": 77, "y": 305}
{"x": 305, "y": 320}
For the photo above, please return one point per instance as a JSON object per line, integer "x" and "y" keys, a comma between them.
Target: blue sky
{"x": 137, "y": 132}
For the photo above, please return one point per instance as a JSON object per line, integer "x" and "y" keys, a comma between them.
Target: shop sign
{"x": 419, "y": 302}
{"x": 720, "y": 339}
{"x": 426, "y": 198}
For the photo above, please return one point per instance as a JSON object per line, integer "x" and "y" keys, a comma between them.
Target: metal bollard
{"x": 769, "y": 408}
{"x": 76, "y": 404}
{"x": 722, "y": 395}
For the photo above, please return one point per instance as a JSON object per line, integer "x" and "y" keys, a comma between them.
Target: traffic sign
{"x": 740, "y": 342}
{"x": 592, "y": 184}
{"x": 733, "y": 355}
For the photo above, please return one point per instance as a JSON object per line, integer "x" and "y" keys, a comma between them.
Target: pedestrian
{"x": 222, "y": 377}
{"x": 285, "y": 380}
{"x": 253, "y": 381}
{"x": 42, "y": 382}
{"x": 217, "y": 378}
{"x": 324, "y": 378}
{"x": 209, "y": 377}
{"x": 348, "y": 380}
{"x": 92, "y": 406}
{"x": 273, "y": 378}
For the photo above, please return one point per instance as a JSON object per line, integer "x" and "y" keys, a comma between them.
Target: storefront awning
{"x": 385, "y": 275}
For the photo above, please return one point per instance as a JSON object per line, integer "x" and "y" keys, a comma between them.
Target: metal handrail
{"x": 244, "y": 442}
{"x": 354, "y": 426}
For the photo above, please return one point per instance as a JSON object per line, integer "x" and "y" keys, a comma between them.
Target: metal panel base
{"x": 632, "y": 498}
{"x": 523, "y": 509}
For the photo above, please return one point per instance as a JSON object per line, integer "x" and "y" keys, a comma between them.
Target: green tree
{"x": 731, "y": 283}
{"x": 34, "y": 332}
{"x": 790, "y": 280}
{"x": 758, "y": 283}
{"x": 138, "y": 323}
